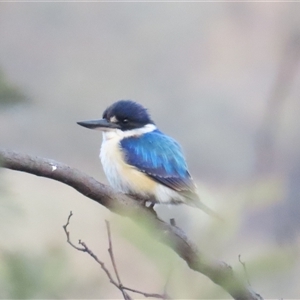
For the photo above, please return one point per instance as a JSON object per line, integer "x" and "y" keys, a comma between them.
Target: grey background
{"x": 221, "y": 78}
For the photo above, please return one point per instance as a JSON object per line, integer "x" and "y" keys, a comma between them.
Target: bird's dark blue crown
{"x": 129, "y": 114}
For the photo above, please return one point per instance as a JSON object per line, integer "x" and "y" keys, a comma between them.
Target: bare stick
{"x": 219, "y": 272}
{"x": 245, "y": 269}
{"x": 147, "y": 295}
{"x": 84, "y": 248}
{"x": 110, "y": 251}
{"x": 118, "y": 284}
{"x": 111, "y": 254}
{"x": 68, "y": 233}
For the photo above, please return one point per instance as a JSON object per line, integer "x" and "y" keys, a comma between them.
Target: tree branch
{"x": 219, "y": 272}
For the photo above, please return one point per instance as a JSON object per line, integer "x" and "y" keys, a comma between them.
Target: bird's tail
{"x": 193, "y": 199}
{"x": 199, "y": 204}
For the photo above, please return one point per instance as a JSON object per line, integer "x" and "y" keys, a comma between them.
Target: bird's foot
{"x": 149, "y": 205}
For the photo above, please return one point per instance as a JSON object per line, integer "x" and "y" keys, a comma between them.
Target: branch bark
{"x": 219, "y": 272}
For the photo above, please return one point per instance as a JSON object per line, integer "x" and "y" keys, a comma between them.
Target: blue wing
{"x": 160, "y": 157}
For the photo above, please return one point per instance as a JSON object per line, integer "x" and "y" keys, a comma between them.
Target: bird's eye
{"x": 125, "y": 121}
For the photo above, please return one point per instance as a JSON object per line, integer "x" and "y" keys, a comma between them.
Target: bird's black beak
{"x": 99, "y": 124}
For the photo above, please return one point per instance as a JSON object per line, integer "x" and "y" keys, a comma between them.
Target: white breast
{"x": 112, "y": 161}
{"x": 121, "y": 176}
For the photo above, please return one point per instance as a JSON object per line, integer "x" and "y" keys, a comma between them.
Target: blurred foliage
{"x": 263, "y": 265}
{"x": 10, "y": 94}
{"x": 143, "y": 238}
{"x": 170, "y": 271}
{"x": 266, "y": 190}
{"x": 270, "y": 263}
{"x": 26, "y": 276}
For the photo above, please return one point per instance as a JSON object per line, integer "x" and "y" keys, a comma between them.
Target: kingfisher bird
{"x": 139, "y": 160}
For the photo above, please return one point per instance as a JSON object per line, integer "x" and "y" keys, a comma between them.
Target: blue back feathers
{"x": 160, "y": 157}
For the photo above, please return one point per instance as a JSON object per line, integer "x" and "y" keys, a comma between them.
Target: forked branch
{"x": 118, "y": 284}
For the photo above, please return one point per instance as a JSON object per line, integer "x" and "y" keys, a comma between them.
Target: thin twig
{"x": 118, "y": 284}
{"x": 111, "y": 254}
{"x": 87, "y": 250}
{"x": 245, "y": 269}
{"x": 68, "y": 233}
{"x": 147, "y": 295}
{"x": 110, "y": 251}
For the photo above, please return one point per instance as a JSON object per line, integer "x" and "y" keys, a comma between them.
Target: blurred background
{"x": 221, "y": 78}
